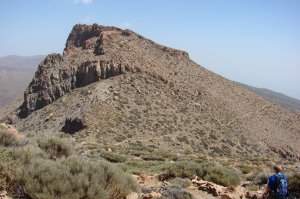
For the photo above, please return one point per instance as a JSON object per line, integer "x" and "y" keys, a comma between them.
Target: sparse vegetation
{"x": 222, "y": 175}
{"x": 246, "y": 169}
{"x": 42, "y": 172}
{"x": 174, "y": 192}
{"x": 208, "y": 171}
{"x": 261, "y": 178}
{"x": 113, "y": 157}
{"x": 75, "y": 177}
{"x": 180, "y": 182}
{"x": 7, "y": 168}
{"x": 7, "y": 138}
{"x": 55, "y": 146}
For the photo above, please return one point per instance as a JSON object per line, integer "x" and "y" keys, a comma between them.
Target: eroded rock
{"x": 73, "y": 125}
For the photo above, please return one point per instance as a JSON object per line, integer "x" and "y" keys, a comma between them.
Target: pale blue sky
{"x": 256, "y": 42}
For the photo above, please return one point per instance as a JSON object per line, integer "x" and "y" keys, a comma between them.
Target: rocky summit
{"x": 115, "y": 87}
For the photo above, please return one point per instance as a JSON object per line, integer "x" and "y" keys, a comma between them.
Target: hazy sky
{"x": 256, "y": 42}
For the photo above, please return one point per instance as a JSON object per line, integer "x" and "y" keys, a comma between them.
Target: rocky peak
{"x": 85, "y": 37}
{"x": 92, "y": 53}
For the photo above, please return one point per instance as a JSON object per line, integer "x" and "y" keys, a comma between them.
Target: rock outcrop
{"x": 73, "y": 125}
{"x": 51, "y": 82}
{"x": 81, "y": 64}
{"x": 223, "y": 192}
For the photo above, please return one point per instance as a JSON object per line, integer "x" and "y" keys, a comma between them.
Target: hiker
{"x": 277, "y": 185}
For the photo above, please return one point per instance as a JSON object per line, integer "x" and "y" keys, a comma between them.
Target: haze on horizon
{"x": 253, "y": 42}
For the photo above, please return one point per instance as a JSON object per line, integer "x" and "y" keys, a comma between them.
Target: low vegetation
{"x": 207, "y": 171}
{"x": 51, "y": 168}
{"x": 6, "y": 138}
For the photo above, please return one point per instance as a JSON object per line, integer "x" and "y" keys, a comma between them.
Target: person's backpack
{"x": 281, "y": 185}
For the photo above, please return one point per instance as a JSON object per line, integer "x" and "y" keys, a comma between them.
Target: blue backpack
{"x": 281, "y": 185}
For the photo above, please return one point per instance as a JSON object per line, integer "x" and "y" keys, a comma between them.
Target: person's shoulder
{"x": 280, "y": 175}
{"x": 272, "y": 178}
{"x": 285, "y": 176}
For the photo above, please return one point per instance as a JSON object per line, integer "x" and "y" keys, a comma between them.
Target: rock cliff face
{"x": 82, "y": 64}
{"x": 129, "y": 90}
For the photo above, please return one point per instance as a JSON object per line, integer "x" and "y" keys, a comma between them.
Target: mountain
{"x": 117, "y": 88}
{"x": 284, "y": 101}
{"x": 15, "y": 61}
{"x": 16, "y": 72}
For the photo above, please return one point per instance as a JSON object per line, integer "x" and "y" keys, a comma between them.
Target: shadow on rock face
{"x": 73, "y": 125}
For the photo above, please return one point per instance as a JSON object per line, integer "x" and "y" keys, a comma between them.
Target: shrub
{"x": 39, "y": 171}
{"x": 75, "y": 177}
{"x": 7, "y": 168}
{"x": 261, "y": 178}
{"x": 180, "y": 182}
{"x": 113, "y": 157}
{"x": 246, "y": 169}
{"x": 166, "y": 154}
{"x": 55, "y": 146}
{"x": 27, "y": 153}
{"x": 222, "y": 175}
{"x": 182, "y": 169}
{"x": 152, "y": 157}
{"x": 174, "y": 192}
{"x": 7, "y": 138}
{"x": 208, "y": 171}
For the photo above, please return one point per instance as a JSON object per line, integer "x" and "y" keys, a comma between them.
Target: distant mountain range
{"x": 15, "y": 74}
{"x": 16, "y": 61}
{"x": 282, "y": 100}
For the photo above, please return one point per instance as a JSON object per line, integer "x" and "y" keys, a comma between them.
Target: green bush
{"x": 7, "y": 168}
{"x": 7, "y": 138}
{"x": 175, "y": 192}
{"x": 180, "y": 182}
{"x": 208, "y": 171}
{"x": 152, "y": 157}
{"x": 113, "y": 157}
{"x": 246, "y": 169}
{"x": 36, "y": 168}
{"x": 75, "y": 177}
{"x": 55, "y": 146}
{"x": 261, "y": 178}
{"x": 27, "y": 153}
{"x": 166, "y": 154}
{"x": 183, "y": 169}
{"x": 222, "y": 176}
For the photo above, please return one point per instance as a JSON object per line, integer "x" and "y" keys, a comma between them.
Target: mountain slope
{"x": 13, "y": 81}
{"x": 284, "y": 101}
{"x": 125, "y": 89}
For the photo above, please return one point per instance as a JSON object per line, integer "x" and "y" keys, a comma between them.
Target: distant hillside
{"x": 15, "y": 61}
{"x": 15, "y": 74}
{"x": 284, "y": 101}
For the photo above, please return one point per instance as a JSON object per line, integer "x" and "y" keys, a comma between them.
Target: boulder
{"x": 133, "y": 195}
{"x": 73, "y": 125}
